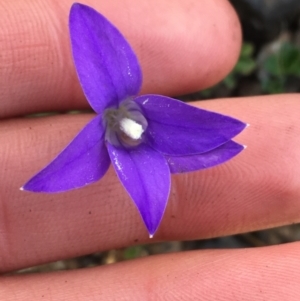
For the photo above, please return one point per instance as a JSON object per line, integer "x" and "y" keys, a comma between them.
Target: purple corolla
{"x": 146, "y": 138}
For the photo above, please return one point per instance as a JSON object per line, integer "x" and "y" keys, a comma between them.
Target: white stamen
{"x": 131, "y": 128}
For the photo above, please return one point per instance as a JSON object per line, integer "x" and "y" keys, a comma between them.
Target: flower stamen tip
{"x": 22, "y": 188}
{"x": 131, "y": 128}
{"x": 244, "y": 146}
{"x": 150, "y": 236}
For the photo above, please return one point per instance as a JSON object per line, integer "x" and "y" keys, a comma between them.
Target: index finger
{"x": 183, "y": 46}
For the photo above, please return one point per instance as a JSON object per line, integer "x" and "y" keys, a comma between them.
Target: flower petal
{"x": 178, "y": 129}
{"x": 84, "y": 161}
{"x": 145, "y": 175}
{"x": 106, "y": 65}
{"x": 212, "y": 158}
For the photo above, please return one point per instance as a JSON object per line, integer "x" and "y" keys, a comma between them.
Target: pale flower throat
{"x": 132, "y": 129}
{"x": 125, "y": 125}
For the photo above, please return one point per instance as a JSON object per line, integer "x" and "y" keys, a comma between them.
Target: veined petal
{"x": 106, "y": 65}
{"x": 178, "y": 129}
{"x": 84, "y": 161}
{"x": 212, "y": 158}
{"x": 145, "y": 175}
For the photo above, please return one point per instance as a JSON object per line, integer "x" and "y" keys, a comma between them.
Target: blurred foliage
{"x": 279, "y": 67}
{"x": 276, "y": 71}
{"x": 133, "y": 252}
{"x": 42, "y": 114}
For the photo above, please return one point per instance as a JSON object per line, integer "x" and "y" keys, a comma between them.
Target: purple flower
{"x": 145, "y": 137}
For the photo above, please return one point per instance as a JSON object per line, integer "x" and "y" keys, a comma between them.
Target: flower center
{"x": 125, "y": 125}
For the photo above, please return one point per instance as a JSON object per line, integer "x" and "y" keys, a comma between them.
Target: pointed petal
{"x": 178, "y": 129}
{"x": 84, "y": 161}
{"x": 145, "y": 175}
{"x": 212, "y": 158}
{"x": 106, "y": 65}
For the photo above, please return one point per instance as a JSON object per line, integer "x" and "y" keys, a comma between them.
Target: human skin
{"x": 183, "y": 47}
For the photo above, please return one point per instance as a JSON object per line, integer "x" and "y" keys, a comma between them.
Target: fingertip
{"x": 199, "y": 51}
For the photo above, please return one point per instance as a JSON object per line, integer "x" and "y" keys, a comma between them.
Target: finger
{"x": 182, "y": 47}
{"x": 257, "y": 189}
{"x": 269, "y": 273}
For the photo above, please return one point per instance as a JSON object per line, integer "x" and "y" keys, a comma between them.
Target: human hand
{"x": 257, "y": 189}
